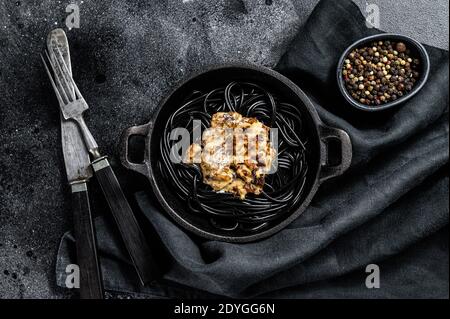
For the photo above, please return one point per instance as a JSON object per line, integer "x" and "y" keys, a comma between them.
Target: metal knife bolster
{"x": 78, "y": 186}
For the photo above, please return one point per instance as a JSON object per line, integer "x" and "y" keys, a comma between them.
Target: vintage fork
{"x": 72, "y": 106}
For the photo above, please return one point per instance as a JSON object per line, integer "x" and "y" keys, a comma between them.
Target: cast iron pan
{"x": 330, "y": 149}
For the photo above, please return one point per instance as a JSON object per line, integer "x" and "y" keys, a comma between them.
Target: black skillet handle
{"x": 91, "y": 285}
{"x": 327, "y": 134}
{"x": 132, "y": 235}
{"x": 141, "y": 130}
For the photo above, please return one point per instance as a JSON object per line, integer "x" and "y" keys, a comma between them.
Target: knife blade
{"x": 79, "y": 171}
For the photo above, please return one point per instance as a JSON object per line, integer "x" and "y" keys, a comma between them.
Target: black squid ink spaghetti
{"x": 282, "y": 189}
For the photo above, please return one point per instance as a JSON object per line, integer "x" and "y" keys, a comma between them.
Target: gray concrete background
{"x": 126, "y": 58}
{"x": 425, "y": 20}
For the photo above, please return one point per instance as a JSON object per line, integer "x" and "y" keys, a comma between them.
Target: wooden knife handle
{"x": 132, "y": 235}
{"x": 91, "y": 285}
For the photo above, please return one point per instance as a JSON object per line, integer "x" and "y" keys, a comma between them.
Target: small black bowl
{"x": 417, "y": 50}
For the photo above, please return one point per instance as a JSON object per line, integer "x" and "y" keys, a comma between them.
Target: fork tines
{"x": 62, "y": 82}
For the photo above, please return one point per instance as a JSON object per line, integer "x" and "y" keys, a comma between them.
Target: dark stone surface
{"x": 125, "y": 57}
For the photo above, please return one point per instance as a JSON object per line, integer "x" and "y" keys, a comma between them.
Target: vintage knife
{"x": 79, "y": 171}
{"x": 72, "y": 106}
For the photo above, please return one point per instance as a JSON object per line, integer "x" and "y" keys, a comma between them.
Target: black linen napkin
{"x": 390, "y": 208}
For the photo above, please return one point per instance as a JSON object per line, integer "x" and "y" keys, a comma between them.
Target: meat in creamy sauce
{"x": 235, "y": 154}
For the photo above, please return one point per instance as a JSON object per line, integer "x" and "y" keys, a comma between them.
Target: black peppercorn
{"x": 380, "y": 73}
